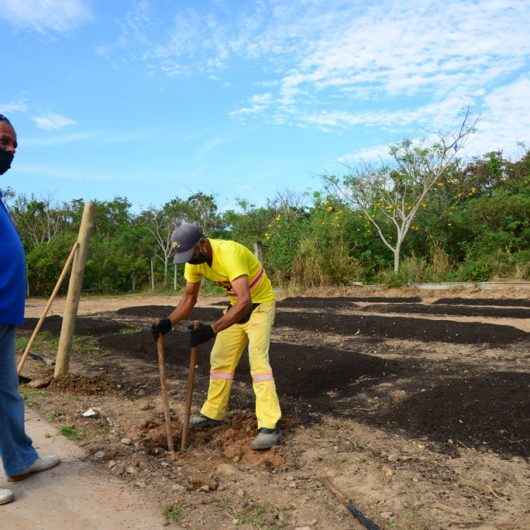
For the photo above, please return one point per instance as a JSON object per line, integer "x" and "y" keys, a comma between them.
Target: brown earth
{"x": 510, "y": 302}
{"x": 423, "y": 422}
{"x": 447, "y": 309}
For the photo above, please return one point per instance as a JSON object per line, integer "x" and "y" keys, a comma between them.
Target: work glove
{"x": 162, "y": 327}
{"x": 200, "y": 334}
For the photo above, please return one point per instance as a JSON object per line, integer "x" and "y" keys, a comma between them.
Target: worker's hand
{"x": 200, "y": 334}
{"x": 162, "y": 327}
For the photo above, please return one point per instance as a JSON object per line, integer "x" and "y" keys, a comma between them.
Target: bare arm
{"x": 234, "y": 314}
{"x": 186, "y": 303}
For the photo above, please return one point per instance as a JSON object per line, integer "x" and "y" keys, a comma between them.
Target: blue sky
{"x": 150, "y": 99}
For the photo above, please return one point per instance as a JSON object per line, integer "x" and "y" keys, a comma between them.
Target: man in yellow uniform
{"x": 247, "y": 322}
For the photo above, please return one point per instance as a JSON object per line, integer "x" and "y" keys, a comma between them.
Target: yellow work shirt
{"x": 230, "y": 260}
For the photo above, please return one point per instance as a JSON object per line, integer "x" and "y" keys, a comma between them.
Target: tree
{"x": 391, "y": 195}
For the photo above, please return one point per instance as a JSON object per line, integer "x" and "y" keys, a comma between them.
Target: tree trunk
{"x": 165, "y": 271}
{"x": 152, "y": 275}
{"x": 397, "y": 252}
{"x": 175, "y": 277}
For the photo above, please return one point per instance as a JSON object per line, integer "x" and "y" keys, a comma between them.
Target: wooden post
{"x": 175, "y": 276}
{"x": 152, "y": 274}
{"x": 74, "y": 292}
{"x": 66, "y": 267}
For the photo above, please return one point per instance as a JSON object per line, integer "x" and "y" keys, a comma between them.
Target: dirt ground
{"x": 418, "y": 411}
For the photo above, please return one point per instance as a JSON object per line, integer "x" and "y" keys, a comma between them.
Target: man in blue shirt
{"x": 16, "y": 449}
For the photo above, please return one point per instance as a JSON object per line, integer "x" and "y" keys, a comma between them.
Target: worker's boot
{"x": 266, "y": 439}
{"x": 200, "y": 421}
{"x": 41, "y": 464}
{"x": 6, "y": 496}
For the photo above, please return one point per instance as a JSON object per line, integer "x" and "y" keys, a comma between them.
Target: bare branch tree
{"x": 391, "y": 195}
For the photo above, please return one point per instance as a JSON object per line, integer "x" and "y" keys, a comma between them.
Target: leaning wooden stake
{"x": 163, "y": 392}
{"x": 74, "y": 292}
{"x": 44, "y": 314}
{"x": 189, "y": 397}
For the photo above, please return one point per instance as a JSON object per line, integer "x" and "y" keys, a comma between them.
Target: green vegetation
{"x": 70, "y": 432}
{"x": 173, "y": 512}
{"x": 472, "y": 225}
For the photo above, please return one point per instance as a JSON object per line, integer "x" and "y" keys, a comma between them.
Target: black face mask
{"x": 198, "y": 259}
{"x": 5, "y": 160}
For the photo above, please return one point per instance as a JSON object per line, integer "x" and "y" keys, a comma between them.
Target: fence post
{"x": 74, "y": 292}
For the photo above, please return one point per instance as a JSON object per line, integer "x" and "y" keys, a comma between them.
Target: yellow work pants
{"x": 225, "y": 356}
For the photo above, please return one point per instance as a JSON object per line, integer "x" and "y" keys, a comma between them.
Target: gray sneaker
{"x": 200, "y": 421}
{"x": 266, "y": 439}
{"x": 41, "y": 464}
{"x": 6, "y": 496}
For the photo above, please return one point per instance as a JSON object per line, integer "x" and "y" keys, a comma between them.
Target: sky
{"x": 152, "y": 99}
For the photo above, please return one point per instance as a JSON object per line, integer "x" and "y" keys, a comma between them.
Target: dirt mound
{"x": 146, "y": 311}
{"x": 318, "y": 303}
{"x": 83, "y": 325}
{"x": 490, "y": 411}
{"x": 339, "y": 302}
{"x": 78, "y": 384}
{"x": 402, "y": 328}
{"x": 502, "y": 302}
{"x": 301, "y": 372}
{"x": 496, "y": 312}
{"x": 232, "y": 439}
{"x": 205, "y": 314}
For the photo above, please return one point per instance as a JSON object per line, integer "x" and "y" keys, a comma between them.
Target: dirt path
{"x": 73, "y": 496}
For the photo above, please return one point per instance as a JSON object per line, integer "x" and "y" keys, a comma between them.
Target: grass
{"x": 173, "y": 512}
{"x": 261, "y": 517}
{"x": 70, "y": 432}
{"x": 30, "y": 395}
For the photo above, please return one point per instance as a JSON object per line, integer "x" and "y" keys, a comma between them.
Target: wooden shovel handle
{"x": 189, "y": 395}
{"x": 160, "y": 348}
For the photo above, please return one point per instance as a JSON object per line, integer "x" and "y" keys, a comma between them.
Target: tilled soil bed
{"x": 424, "y": 330}
{"x": 342, "y": 301}
{"x": 509, "y": 302}
{"x": 439, "y": 309}
{"x": 86, "y": 326}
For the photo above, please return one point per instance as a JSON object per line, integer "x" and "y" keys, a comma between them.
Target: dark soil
{"x": 78, "y": 384}
{"x": 206, "y": 314}
{"x": 341, "y": 301}
{"x": 318, "y": 303}
{"x": 490, "y": 411}
{"x": 496, "y": 312}
{"x": 86, "y": 326}
{"x": 502, "y": 302}
{"x": 300, "y": 371}
{"x": 402, "y": 328}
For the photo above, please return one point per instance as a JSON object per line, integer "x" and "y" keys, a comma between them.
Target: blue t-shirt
{"x": 12, "y": 271}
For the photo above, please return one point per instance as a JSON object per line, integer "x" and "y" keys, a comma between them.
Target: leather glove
{"x": 162, "y": 327}
{"x": 200, "y": 334}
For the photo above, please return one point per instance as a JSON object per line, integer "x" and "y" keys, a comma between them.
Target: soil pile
{"x": 423, "y": 330}
{"x": 86, "y": 326}
{"x": 230, "y": 440}
{"x": 495, "y": 312}
{"x": 502, "y": 302}
{"x": 79, "y": 384}
{"x": 489, "y": 411}
{"x": 205, "y": 314}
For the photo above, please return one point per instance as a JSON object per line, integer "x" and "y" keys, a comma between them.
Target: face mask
{"x": 198, "y": 259}
{"x": 5, "y": 160}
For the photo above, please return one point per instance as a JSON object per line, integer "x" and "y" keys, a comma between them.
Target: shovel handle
{"x": 189, "y": 395}
{"x": 160, "y": 348}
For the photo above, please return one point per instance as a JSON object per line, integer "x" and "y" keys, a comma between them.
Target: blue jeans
{"x": 16, "y": 448}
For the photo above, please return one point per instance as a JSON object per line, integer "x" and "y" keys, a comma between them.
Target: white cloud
{"x": 45, "y": 15}
{"x": 12, "y": 107}
{"x": 52, "y": 121}
{"x": 346, "y": 64}
{"x": 258, "y": 103}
